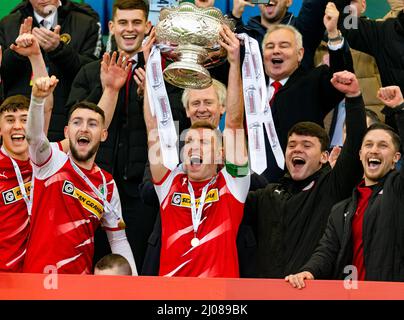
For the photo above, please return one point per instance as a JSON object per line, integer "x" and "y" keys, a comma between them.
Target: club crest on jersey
{"x": 184, "y": 199}
{"x": 13, "y": 195}
{"x": 87, "y": 202}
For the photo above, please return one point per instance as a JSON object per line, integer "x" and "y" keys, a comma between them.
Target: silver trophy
{"x": 189, "y": 36}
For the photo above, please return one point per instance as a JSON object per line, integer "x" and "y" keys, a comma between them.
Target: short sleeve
{"x": 238, "y": 186}
{"x": 163, "y": 187}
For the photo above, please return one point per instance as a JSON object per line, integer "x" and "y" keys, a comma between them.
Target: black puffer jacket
{"x": 81, "y": 23}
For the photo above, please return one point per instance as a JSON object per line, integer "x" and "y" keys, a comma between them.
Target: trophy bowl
{"x": 188, "y": 36}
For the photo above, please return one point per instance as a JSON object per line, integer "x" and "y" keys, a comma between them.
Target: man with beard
{"x": 124, "y": 153}
{"x": 365, "y": 231}
{"x": 73, "y": 196}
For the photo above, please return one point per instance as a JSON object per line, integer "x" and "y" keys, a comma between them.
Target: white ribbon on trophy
{"x": 160, "y": 106}
{"x": 257, "y": 109}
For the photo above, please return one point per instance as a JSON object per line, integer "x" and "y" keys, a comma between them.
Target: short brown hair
{"x": 86, "y": 105}
{"x": 14, "y": 103}
{"x": 311, "y": 129}
{"x": 113, "y": 260}
{"x": 131, "y": 5}
{"x": 382, "y": 126}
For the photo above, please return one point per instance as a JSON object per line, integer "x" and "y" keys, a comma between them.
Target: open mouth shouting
{"x": 195, "y": 161}
{"x": 18, "y": 137}
{"x": 83, "y": 141}
{"x": 374, "y": 163}
{"x": 277, "y": 61}
{"x": 298, "y": 162}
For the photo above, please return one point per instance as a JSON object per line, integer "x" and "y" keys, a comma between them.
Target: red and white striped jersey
{"x": 14, "y": 221}
{"x": 65, "y": 215}
{"x": 216, "y": 255}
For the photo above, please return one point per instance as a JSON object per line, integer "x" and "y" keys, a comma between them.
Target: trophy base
{"x": 187, "y": 75}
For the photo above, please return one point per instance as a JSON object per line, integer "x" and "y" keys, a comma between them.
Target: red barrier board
{"x": 85, "y": 287}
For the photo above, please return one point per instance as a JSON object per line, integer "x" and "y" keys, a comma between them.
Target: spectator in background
{"x": 366, "y": 230}
{"x": 302, "y": 95}
{"x": 382, "y": 40}
{"x": 309, "y": 22}
{"x": 112, "y": 265}
{"x": 69, "y": 35}
{"x": 124, "y": 153}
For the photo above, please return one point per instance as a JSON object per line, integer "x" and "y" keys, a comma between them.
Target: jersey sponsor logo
{"x": 184, "y": 199}
{"x": 88, "y": 202}
{"x": 13, "y": 195}
{"x": 3, "y": 175}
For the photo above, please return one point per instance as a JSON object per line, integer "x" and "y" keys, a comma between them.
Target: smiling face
{"x": 204, "y": 104}
{"x": 201, "y": 154}
{"x": 12, "y": 131}
{"x": 85, "y": 132}
{"x": 282, "y": 53}
{"x": 304, "y": 156}
{"x": 274, "y": 11}
{"x": 129, "y": 28}
{"x": 378, "y": 155}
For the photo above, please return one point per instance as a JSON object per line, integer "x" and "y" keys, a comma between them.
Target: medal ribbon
{"x": 102, "y": 196}
{"x": 197, "y": 213}
{"x": 27, "y": 200}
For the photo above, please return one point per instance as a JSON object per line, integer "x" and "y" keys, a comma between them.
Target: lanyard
{"x": 28, "y": 200}
{"x": 102, "y": 196}
{"x": 197, "y": 213}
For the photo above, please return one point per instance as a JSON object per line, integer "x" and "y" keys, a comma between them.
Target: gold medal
{"x": 195, "y": 242}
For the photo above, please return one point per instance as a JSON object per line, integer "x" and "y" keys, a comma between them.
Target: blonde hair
{"x": 220, "y": 90}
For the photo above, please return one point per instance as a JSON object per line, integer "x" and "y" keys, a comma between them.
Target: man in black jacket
{"x": 304, "y": 95}
{"x": 381, "y": 39}
{"x": 289, "y": 217}
{"x": 69, "y": 35}
{"x": 124, "y": 154}
{"x": 365, "y": 232}
{"x": 309, "y": 22}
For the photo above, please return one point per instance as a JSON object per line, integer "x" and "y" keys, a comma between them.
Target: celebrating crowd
{"x": 296, "y": 176}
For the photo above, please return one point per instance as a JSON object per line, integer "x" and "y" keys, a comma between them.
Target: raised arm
{"x": 158, "y": 170}
{"x": 348, "y": 169}
{"x": 235, "y": 144}
{"x": 28, "y": 46}
{"x": 392, "y": 97}
{"x": 114, "y": 72}
{"x": 39, "y": 147}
